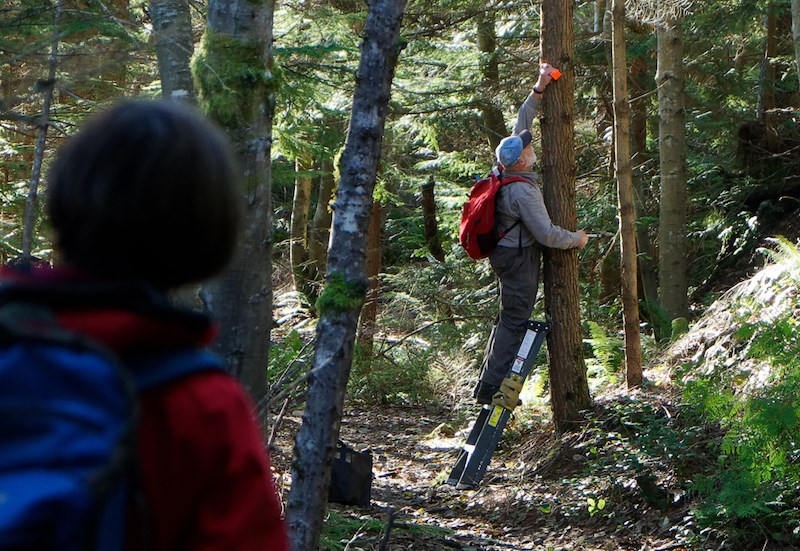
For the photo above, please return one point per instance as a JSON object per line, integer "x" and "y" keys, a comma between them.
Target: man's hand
{"x": 545, "y": 76}
{"x": 583, "y": 239}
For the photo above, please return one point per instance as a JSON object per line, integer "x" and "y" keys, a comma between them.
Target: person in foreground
{"x": 142, "y": 200}
{"x": 516, "y": 259}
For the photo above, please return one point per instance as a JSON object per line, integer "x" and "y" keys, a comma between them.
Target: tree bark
{"x": 627, "y": 222}
{"x": 767, "y": 100}
{"x": 646, "y": 258}
{"x": 238, "y": 43}
{"x": 369, "y": 313}
{"x": 346, "y": 283}
{"x": 31, "y": 202}
{"x": 599, "y": 15}
{"x": 493, "y": 122}
{"x": 673, "y": 261}
{"x": 321, "y": 228}
{"x": 429, "y": 218}
{"x": 298, "y": 227}
{"x": 172, "y": 28}
{"x": 569, "y": 389}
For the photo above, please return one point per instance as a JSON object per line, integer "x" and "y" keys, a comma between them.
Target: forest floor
{"x": 538, "y": 491}
{"x": 623, "y": 482}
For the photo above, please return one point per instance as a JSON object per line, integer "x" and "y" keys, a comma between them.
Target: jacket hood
{"x": 123, "y": 315}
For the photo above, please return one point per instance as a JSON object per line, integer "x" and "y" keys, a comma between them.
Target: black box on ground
{"x": 351, "y": 477}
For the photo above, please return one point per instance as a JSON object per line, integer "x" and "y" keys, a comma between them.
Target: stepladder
{"x": 473, "y": 459}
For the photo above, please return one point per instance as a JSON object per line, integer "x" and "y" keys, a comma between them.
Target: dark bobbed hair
{"x": 147, "y": 190}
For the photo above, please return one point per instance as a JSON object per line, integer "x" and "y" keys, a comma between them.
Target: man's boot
{"x": 484, "y": 392}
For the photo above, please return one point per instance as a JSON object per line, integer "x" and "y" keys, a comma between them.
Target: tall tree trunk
{"x": 796, "y": 34}
{"x": 443, "y": 309}
{"x": 627, "y": 223}
{"x": 646, "y": 259}
{"x": 569, "y": 389}
{"x": 298, "y": 230}
{"x": 172, "y": 28}
{"x": 604, "y": 87}
{"x": 766, "y": 100}
{"x": 346, "y": 282}
{"x": 320, "y": 228}
{"x": 236, "y": 88}
{"x": 369, "y": 313}
{"x": 599, "y": 15}
{"x": 31, "y": 202}
{"x": 111, "y": 62}
{"x": 429, "y": 218}
{"x": 673, "y": 261}
{"x": 493, "y": 123}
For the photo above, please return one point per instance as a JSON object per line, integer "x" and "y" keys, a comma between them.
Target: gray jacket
{"x": 523, "y": 201}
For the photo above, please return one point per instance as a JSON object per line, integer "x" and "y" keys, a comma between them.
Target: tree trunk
{"x": 796, "y": 34}
{"x": 429, "y": 218}
{"x": 646, "y": 258}
{"x": 569, "y": 389}
{"x": 104, "y": 74}
{"x": 369, "y": 313}
{"x": 493, "y": 123}
{"x": 673, "y": 261}
{"x": 172, "y": 28}
{"x": 443, "y": 309}
{"x": 599, "y": 15}
{"x": 31, "y": 202}
{"x": 298, "y": 230}
{"x": 346, "y": 283}
{"x": 622, "y": 143}
{"x": 238, "y": 41}
{"x": 320, "y": 229}
{"x": 767, "y": 100}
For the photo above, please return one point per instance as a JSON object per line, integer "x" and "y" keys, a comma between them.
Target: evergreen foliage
{"x": 435, "y": 316}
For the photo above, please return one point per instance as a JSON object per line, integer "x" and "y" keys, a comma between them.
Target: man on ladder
{"x": 515, "y": 260}
{"x": 525, "y": 224}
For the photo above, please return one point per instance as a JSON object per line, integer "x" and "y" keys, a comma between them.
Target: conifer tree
{"x": 346, "y": 282}
{"x": 236, "y": 89}
{"x": 569, "y": 388}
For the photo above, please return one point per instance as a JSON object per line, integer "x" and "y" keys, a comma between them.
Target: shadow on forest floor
{"x": 623, "y": 482}
{"x": 616, "y": 484}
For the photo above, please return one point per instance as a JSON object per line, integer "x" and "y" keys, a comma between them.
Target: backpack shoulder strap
{"x": 31, "y": 321}
{"x": 511, "y": 179}
{"x": 503, "y": 180}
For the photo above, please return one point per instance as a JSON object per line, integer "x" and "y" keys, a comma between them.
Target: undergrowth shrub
{"x": 604, "y": 365}
{"x": 289, "y": 359}
{"x": 754, "y": 395}
{"x": 435, "y": 319}
{"x": 397, "y": 376}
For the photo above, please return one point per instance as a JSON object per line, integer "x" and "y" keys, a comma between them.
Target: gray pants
{"x": 518, "y": 273}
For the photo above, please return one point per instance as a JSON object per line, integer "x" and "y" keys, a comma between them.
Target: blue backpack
{"x": 68, "y": 420}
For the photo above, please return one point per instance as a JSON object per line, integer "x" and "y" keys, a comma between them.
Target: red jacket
{"x": 205, "y": 472}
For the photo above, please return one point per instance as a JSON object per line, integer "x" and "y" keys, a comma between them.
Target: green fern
{"x": 609, "y": 352}
{"x": 786, "y": 253}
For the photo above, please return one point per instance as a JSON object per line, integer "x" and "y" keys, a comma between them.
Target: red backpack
{"x": 477, "y": 233}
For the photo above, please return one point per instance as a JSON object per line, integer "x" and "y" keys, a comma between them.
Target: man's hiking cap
{"x": 510, "y": 148}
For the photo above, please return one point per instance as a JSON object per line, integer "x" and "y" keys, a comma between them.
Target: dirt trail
{"x": 534, "y": 496}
